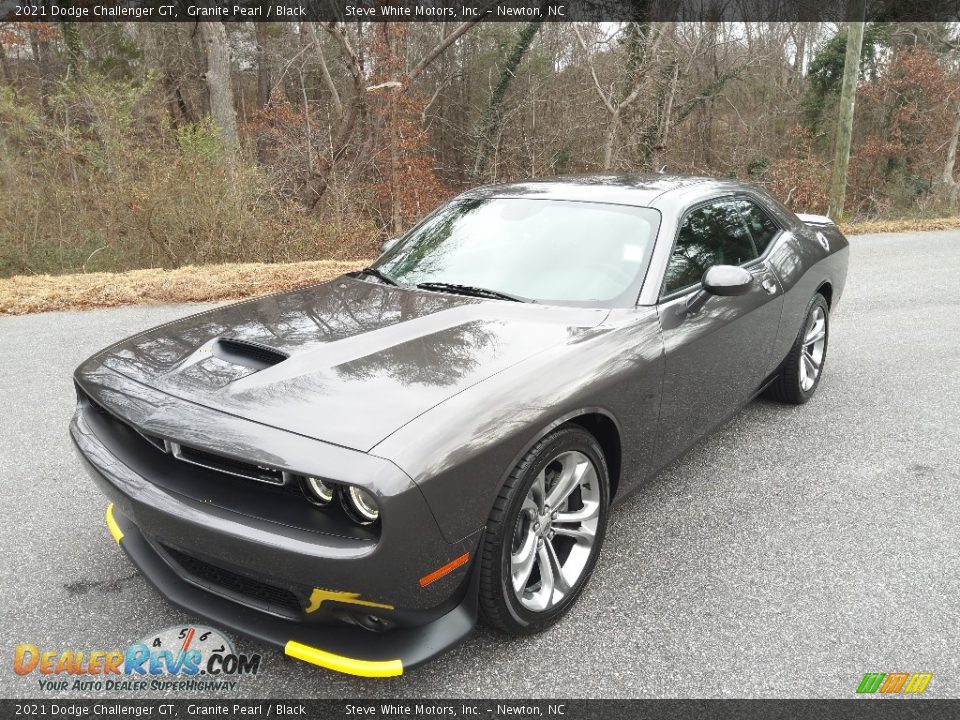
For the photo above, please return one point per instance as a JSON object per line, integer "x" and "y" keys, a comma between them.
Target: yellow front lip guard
{"x": 342, "y": 664}
{"x": 112, "y": 525}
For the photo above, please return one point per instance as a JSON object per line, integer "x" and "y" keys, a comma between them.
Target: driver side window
{"x": 713, "y": 234}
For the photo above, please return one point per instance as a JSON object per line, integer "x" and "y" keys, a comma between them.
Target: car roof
{"x": 638, "y": 190}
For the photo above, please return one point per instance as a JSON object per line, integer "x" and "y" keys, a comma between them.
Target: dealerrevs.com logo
{"x": 176, "y": 658}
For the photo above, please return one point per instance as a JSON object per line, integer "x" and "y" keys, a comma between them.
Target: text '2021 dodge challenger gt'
{"x": 354, "y": 472}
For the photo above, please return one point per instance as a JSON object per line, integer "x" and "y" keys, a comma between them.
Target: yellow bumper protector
{"x": 319, "y": 595}
{"x": 112, "y": 524}
{"x": 339, "y": 663}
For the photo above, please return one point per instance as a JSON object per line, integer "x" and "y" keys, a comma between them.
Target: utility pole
{"x": 848, "y": 96}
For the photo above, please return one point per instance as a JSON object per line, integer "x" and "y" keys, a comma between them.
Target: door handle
{"x": 769, "y": 285}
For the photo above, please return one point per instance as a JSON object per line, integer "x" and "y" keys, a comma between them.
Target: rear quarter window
{"x": 762, "y": 228}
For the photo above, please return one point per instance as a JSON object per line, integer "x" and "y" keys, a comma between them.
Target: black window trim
{"x": 747, "y": 265}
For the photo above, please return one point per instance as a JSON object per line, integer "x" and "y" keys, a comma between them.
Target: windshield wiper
{"x": 379, "y": 275}
{"x": 471, "y": 291}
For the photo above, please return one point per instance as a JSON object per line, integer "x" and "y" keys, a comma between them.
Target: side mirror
{"x": 389, "y": 244}
{"x": 722, "y": 280}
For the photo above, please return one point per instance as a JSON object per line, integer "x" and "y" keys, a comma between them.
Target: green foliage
{"x": 17, "y": 120}
{"x": 632, "y": 39}
{"x": 201, "y": 142}
{"x": 758, "y": 165}
{"x": 826, "y": 68}
{"x": 111, "y": 51}
{"x": 562, "y": 161}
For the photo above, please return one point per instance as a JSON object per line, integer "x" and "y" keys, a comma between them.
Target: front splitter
{"x": 344, "y": 649}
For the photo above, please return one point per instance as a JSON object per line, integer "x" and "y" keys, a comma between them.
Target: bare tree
{"x": 615, "y": 105}
{"x": 217, "y": 78}
{"x": 5, "y": 66}
{"x": 493, "y": 117}
{"x": 950, "y": 184}
{"x": 348, "y": 115}
{"x": 264, "y": 86}
{"x": 325, "y": 70}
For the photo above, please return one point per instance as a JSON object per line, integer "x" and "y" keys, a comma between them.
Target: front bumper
{"x": 330, "y": 587}
{"x": 343, "y": 649}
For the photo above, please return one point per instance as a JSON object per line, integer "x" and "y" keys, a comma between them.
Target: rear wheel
{"x": 801, "y": 372}
{"x": 544, "y": 533}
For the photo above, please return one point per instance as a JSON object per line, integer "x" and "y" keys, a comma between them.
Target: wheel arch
{"x": 601, "y": 424}
{"x": 826, "y": 289}
{"x": 606, "y": 432}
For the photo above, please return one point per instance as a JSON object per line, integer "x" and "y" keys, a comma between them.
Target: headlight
{"x": 320, "y": 491}
{"x": 361, "y": 505}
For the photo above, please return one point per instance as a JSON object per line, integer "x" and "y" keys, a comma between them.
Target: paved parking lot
{"x": 785, "y": 556}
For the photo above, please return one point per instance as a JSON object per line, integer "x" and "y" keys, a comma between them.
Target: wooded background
{"x": 158, "y": 145}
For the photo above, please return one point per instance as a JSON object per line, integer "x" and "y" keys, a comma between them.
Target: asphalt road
{"x": 785, "y": 556}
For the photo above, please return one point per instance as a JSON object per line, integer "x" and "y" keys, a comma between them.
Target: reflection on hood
{"x": 362, "y": 359}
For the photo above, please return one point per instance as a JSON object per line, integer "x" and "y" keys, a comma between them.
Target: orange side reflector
{"x": 445, "y": 570}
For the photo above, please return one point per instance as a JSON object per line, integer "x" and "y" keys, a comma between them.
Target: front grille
{"x": 245, "y": 587}
{"x": 194, "y": 456}
{"x": 226, "y": 465}
{"x": 263, "y": 492}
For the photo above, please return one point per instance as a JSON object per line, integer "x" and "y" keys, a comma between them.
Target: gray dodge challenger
{"x": 355, "y": 472}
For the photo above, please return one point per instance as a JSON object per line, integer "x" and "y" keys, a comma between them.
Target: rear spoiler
{"x": 825, "y": 229}
{"x": 815, "y": 220}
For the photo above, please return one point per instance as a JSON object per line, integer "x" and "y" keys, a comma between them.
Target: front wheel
{"x": 802, "y": 369}
{"x": 545, "y": 532}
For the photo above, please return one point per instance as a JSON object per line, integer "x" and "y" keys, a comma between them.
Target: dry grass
{"x": 208, "y": 283}
{"x": 42, "y": 293}
{"x": 895, "y": 226}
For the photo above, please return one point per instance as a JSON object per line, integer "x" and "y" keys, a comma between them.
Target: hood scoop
{"x": 246, "y": 354}
{"x": 221, "y": 362}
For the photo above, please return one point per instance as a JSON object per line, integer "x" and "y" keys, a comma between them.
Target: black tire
{"x": 788, "y": 387}
{"x": 499, "y": 604}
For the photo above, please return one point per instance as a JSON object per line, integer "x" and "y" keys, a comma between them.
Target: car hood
{"x": 346, "y": 362}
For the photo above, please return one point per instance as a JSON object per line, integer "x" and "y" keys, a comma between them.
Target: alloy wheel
{"x": 555, "y": 531}
{"x": 814, "y": 343}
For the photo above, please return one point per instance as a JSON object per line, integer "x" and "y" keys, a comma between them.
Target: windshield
{"x": 551, "y": 251}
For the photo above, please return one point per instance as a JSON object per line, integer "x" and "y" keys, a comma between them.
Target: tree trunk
{"x": 5, "y": 66}
{"x": 40, "y": 49}
{"x": 264, "y": 86}
{"x": 217, "y": 77}
{"x": 799, "y": 59}
{"x": 610, "y": 141}
{"x": 74, "y": 45}
{"x": 493, "y": 116}
{"x": 325, "y": 71}
{"x": 848, "y": 96}
{"x": 950, "y": 184}
{"x": 354, "y": 110}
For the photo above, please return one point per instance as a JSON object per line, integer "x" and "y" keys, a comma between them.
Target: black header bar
{"x": 429, "y": 709}
{"x": 488, "y": 10}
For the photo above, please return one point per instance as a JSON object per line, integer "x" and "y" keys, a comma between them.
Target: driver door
{"x": 715, "y": 359}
